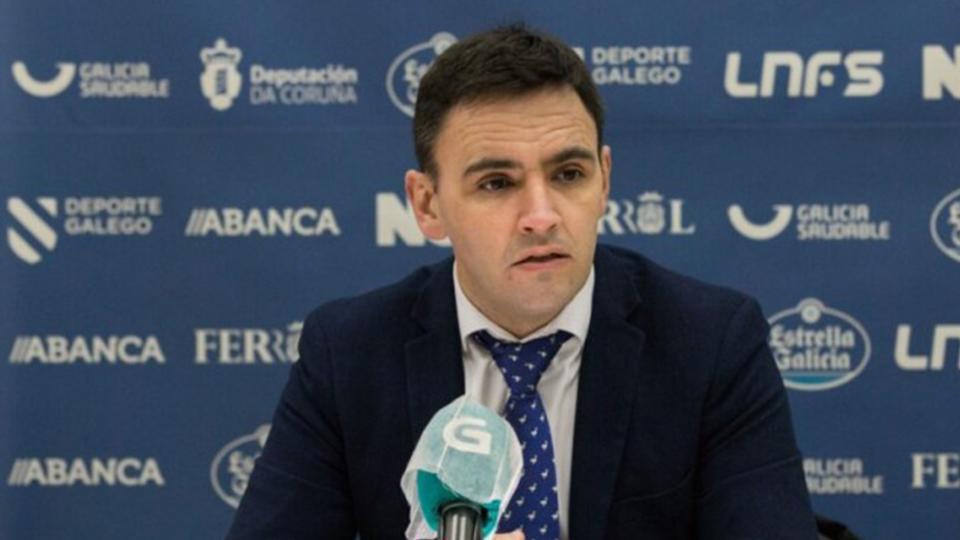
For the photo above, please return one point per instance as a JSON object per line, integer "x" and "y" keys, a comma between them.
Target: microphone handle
{"x": 461, "y": 520}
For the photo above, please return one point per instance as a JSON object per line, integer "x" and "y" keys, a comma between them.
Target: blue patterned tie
{"x": 534, "y": 506}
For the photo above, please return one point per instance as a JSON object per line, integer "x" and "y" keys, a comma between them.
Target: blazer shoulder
{"x": 673, "y": 301}
{"x": 373, "y": 312}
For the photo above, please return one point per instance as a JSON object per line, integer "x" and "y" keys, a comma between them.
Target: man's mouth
{"x": 541, "y": 258}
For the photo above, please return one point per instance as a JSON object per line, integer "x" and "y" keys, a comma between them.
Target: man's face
{"x": 520, "y": 188}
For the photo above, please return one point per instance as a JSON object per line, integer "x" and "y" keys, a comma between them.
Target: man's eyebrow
{"x": 569, "y": 154}
{"x": 491, "y": 163}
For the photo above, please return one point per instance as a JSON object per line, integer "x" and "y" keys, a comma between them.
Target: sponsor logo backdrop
{"x": 182, "y": 183}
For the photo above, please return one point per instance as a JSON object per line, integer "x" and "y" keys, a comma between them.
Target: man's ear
{"x": 606, "y": 163}
{"x": 422, "y": 196}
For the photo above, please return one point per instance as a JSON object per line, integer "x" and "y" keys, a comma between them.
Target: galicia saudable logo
{"x": 814, "y": 222}
{"x": 817, "y": 347}
{"x": 98, "y": 79}
{"x": 840, "y": 476}
{"x": 945, "y": 225}
{"x": 232, "y": 466}
{"x": 44, "y": 89}
{"x": 406, "y": 70}
{"x": 762, "y": 231}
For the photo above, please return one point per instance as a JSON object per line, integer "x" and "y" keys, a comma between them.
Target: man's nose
{"x": 538, "y": 214}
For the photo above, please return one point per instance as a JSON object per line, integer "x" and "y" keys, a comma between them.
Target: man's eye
{"x": 569, "y": 175}
{"x": 495, "y": 184}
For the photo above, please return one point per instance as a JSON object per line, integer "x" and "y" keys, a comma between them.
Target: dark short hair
{"x": 502, "y": 62}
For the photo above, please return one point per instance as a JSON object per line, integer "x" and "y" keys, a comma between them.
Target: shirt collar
{"x": 573, "y": 318}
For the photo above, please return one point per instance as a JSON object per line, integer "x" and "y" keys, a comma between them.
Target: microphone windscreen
{"x": 466, "y": 453}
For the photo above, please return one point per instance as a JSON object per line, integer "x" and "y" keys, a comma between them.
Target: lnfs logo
{"x": 945, "y": 225}
{"x": 232, "y": 466}
{"x": 44, "y": 89}
{"x": 806, "y": 76}
{"x": 648, "y": 215}
{"x": 406, "y": 70}
{"x": 33, "y": 222}
{"x": 220, "y": 81}
{"x": 817, "y": 347}
{"x": 943, "y": 335}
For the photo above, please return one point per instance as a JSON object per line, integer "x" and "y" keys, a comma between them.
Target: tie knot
{"x": 522, "y": 364}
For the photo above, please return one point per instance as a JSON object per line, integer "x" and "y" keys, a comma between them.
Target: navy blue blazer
{"x": 682, "y": 427}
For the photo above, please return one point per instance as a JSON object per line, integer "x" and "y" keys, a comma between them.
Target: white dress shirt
{"x": 558, "y": 386}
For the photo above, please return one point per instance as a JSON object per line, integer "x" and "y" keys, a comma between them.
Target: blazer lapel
{"x": 434, "y": 362}
{"x": 609, "y": 377}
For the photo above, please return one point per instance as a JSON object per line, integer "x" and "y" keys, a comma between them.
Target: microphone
{"x": 462, "y": 473}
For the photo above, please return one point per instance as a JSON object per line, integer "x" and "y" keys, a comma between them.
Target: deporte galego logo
{"x": 32, "y": 230}
{"x": 232, "y": 466}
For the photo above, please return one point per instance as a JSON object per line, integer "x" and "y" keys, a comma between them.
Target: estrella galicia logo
{"x": 404, "y": 74}
{"x": 32, "y": 221}
{"x": 818, "y": 347}
{"x": 945, "y": 225}
{"x": 233, "y": 464}
{"x": 220, "y": 81}
{"x": 783, "y": 213}
{"x": 44, "y": 89}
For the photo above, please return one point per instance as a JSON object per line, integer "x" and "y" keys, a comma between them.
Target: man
{"x": 666, "y": 414}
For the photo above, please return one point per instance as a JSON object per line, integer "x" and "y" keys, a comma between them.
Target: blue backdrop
{"x": 182, "y": 183}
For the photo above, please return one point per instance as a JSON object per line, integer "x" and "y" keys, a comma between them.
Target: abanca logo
{"x": 232, "y": 466}
{"x": 44, "y": 89}
{"x": 92, "y": 472}
{"x": 817, "y": 347}
{"x": 406, "y": 70}
{"x": 89, "y": 350}
{"x": 945, "y": 225}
